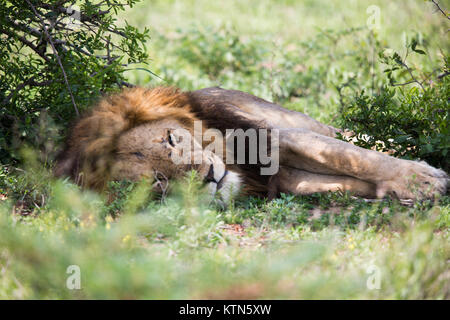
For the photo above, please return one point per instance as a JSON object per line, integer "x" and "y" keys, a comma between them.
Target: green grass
{"x": 297, "y": 247}
{"x": 291, "y": 52}
{"x": 293, "y": 247}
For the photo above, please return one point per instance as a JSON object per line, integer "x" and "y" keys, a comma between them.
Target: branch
{"x": 29, "y": 82}
{"x": 411, "y": 74}
{"x": 126, "y": 84}
{"x": 24, "y": 28}
{"x": 404, "y": 84}
{"x": 38, "y": 34}
{"x": 56, "y": 54}
{"x": 442, "y": 75}
{"x": 439, "y": 8}
{"x": 27, "y": 43}
{"x": 85, "y": 18}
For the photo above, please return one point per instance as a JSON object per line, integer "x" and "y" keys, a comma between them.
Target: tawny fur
{"x": 89, "y": 152}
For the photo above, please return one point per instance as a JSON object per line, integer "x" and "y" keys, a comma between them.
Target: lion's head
{"x": 134, "y": 134}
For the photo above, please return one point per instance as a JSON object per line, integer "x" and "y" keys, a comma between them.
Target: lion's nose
{"x": 210, "y": 176}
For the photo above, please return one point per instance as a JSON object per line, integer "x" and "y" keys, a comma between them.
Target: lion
{"x": 135, "y": 134}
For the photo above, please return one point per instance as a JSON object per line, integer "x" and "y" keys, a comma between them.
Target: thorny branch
{"x": 413, "y": 79}
{"x": 27, "y": 43}
{"x": 29, "y": 82}
{"x": 56, "y": 55}
{"x": 41, "y": 31}
{"x": 440, "y": 9}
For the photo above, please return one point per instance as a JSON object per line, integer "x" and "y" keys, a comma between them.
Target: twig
{"x": 404, "y": 83}
{"x": 339, "y": 88}
{"x": 29, "y": 82}
{"x": 439, "y": 8}
{"x": 442, "y": 75}
{"x": 27, "y": 43}
{"x": 84, "y": 18}
{"x": 126, "y": 84}
{"x": 403, "y": 63}
{"x": 24, "y": 28}
{"x": 56, "y": 54}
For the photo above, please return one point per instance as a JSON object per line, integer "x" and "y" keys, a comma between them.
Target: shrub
{"x": 55, "y": 58}
{"x": 410, "y": 121}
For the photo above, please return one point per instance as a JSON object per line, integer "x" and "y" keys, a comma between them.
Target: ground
{"x": 305, "y": 247}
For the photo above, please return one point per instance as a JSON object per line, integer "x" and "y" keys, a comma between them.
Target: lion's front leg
{"x": 292, "y": 180}
{"x": 405, "y": 179}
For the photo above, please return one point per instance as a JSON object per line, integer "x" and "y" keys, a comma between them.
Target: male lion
{"x": 135, "y": 134}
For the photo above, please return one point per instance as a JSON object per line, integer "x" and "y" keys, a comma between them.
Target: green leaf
{"x": 419, "y": 51}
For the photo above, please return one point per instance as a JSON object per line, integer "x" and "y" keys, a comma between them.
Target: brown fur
{"x": 90, "y": 148}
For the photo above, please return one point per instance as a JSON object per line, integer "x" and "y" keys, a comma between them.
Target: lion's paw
{"x": 415, "y": 180}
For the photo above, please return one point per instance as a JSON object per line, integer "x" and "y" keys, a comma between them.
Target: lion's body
{"x": 132, "y": 134}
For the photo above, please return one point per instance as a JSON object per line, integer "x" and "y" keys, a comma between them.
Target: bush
{"x": 410, "y": 121}
{"x": 56, "y": 57}
{"x": 300, "y": 75}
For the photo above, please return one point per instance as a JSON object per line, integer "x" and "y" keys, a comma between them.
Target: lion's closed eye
{"x": 138, "y": 154}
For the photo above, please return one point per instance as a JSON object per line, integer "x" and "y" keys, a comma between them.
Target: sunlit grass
{"x": 293, "y": 247}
